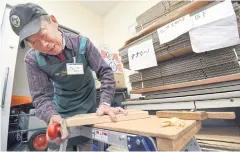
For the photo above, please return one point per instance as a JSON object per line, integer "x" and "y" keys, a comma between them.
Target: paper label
{"x": 74, "y": 68}
{"x": 174, "y": 29}
{"x": 142, "y": 56}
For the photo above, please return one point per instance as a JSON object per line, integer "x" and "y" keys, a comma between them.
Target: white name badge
{"x": 75, "y": 68}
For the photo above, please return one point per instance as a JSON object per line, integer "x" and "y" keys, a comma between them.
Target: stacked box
{"x": 186, "y": 67}
{"x": 205, "y": 65}
{"x": 156, "y": 13}
{"x": 172, "y": 49}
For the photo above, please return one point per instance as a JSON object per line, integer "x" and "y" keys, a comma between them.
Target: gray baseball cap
{"x": 25, "y": 20}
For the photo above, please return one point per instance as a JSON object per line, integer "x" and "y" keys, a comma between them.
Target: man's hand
{"x": 111, "y": 111}
{"x": 56, "y": 119}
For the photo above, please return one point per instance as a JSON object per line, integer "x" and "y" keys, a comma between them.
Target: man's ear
{"x": 54, "y": 20}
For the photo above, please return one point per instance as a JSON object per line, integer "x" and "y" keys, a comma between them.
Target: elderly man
{"x": 59, "y": 68}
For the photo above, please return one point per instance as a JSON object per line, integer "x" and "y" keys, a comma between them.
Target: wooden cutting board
{"x": 151, "y": 126}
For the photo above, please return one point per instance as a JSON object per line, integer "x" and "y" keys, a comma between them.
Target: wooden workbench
{"x": 168, "y": 138}
{"x": 172, "y": 129}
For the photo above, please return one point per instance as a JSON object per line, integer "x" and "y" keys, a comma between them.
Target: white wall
{"x": 20, "y": 83}
{"x": 117, "y": 21}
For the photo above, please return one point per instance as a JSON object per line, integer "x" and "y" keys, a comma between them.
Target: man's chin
{"x": 54, "y": 52}
{"x": 57, "y": 52}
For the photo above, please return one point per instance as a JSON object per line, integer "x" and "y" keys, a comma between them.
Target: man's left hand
{"x": 111, "y": 111}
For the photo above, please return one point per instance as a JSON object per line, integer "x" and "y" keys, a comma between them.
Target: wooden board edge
{"x": 189, "y": 84}
{"x": 174, "y": 54}
{"x": 221, "y": 115}
{"x": 177, "y": 144}
{"x": 132, "y": 115}
{"x": 185, "y": 115}
{"x": 231, "y": 139}
{"x": 227, "y": 145}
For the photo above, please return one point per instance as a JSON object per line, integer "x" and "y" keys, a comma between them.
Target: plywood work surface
{"x": 151, "y": 126}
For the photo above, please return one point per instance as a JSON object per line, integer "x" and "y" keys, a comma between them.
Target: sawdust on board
{"x": 176, "y": 122}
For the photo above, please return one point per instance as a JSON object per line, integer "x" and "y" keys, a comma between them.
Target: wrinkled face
{"x": 49, "y": 39}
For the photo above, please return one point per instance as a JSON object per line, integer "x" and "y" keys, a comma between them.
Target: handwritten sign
{"x": 214, "y": 13}
{"x": 142, "y": 56}
{"x": 174, "y": 29}
{"x": 215, "y": 28}
{"x": 216, "y": 35}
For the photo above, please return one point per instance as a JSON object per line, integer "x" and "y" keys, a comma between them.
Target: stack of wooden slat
{"x": 219, "y": 139}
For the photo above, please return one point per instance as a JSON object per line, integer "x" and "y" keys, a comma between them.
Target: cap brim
{"x": 31, "y": 28}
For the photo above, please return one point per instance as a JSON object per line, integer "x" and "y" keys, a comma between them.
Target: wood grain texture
{"x": 218, "y": 144}
{"x": 198, "y": 115}
{"x": 90, "y": 119}
{"x": 221, "y": 115}
{"x": 150, "y": 127}
{"x": 174, "y": 54}
{"x": 169, "y": 18}
{"x": 189, "y": 84}
{"x": 179, "y": 143}
{"x": 227, "y": 139}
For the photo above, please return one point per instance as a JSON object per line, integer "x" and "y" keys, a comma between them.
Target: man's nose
{"x": 43, "y": 43}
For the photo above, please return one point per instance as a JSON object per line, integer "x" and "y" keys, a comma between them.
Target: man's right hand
{"x": 55, "y": 119}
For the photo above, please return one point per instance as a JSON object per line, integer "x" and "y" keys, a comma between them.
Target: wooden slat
{"x": 178, "y": 144}
{"x": 169, "y": 18}
{"x": 196, "y": 115}
{"x": 151, "y": 126}
{"x": 226, "y": 145}
{"x": 230, "y": 131}
{"x": 175, "y": 53}
{"x": 90, "y": 119}
{"x": 220, "y": 138}
{"x": 189, "y": 84}
{"x": 199, "y": 115}
{"x": 221, "y": 134}
{"x": 207, "y": 149}
{"x": 221, "y": 115}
